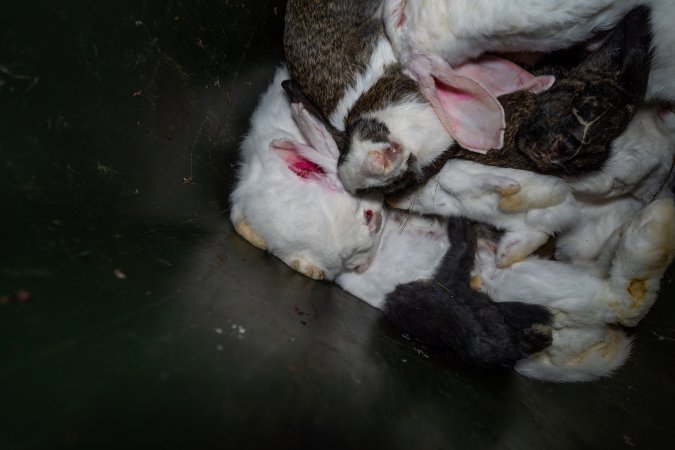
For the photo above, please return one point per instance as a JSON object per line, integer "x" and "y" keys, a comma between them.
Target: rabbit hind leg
{"x": 242, "y": 227}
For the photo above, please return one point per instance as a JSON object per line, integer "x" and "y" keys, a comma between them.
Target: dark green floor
{"x": 151, "y": 325}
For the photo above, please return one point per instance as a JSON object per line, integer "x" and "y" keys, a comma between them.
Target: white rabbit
{"x": 412, "y": 246}
{"x": 289, "y": 200}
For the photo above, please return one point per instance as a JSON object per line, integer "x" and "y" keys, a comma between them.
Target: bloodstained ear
{"x": 306, "y": 163}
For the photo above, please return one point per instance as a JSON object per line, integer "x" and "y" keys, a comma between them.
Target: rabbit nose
{"x": 554, "y": 148}
{"x": 383, "y": 162}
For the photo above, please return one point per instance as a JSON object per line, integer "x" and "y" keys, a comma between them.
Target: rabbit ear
{"x": 311, "y": 121}
{"x": 317, "y": 134}
{"x": 308, "y": 163}
{"x": 465, "y": 99}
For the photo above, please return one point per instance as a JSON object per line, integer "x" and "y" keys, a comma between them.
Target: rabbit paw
{"x": 490, "y": 182}
{"x": 516, "y": 246}
{"x": 532, "y": 196}
{"x": 244, "y": 230}
{"x": 578, "y": 354}
{"x": 307, "y": 269}
{"x": 485, "y": 268}
{"x": 646, "y": 250}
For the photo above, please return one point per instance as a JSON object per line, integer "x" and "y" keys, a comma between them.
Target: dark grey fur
{"x": 446, "y": 313}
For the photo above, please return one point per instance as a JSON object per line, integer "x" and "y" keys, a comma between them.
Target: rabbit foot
{"x": 529, "y": 197}
{"x": 645, "y": 252}
{"x": 578, "y": 354}
{"x": 507, "y": 190}
{"x": 307, "y": 269}
{"x": 485, "y": 268}
{"x": 516, "y": 246}
{"x": 244, "y": 230}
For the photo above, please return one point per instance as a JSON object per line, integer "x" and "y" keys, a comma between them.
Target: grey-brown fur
{"x": 327, "y": 43}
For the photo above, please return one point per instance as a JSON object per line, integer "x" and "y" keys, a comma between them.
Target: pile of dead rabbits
{"x": 509, "y": 217}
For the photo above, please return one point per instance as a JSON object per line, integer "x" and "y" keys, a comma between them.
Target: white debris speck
{"x": 218, "y": 330}
{"x": 404, "y": 360}
{"x": 220, "y": 347}
{"x": 241, "y": 331}
{"x": 138, "y": 23}
{"x": 119, "y": 274}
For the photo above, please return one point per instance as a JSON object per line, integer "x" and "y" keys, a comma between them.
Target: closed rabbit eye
{"x": 665, "y": 109}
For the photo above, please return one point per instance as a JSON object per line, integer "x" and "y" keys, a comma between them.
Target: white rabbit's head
{"x": 325, "y": 227}
{"x": 289, "y": 200}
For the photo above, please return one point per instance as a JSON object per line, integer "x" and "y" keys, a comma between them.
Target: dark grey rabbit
{"x": 445, "y": 313}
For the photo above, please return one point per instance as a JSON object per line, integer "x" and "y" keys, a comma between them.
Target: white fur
{"x": 542, "y": 207}
{"x": 578, "y": 354}
{"x": 462, "y": 29}
{"x": 412, "y": 247}
{"x": 414, "y": 126}
{"x": 644, "y": 247}
{"x": 638, "y": 170}
{"x": 303, "y": 223}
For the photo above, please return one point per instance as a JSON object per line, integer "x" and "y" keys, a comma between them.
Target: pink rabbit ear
{"x": 306, "y": 163}
{"x": 500, "y": 76}
{"x": 465, "y": 100}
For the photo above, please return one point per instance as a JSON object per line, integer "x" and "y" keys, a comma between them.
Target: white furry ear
{"x": 317, "y": 134}
{"x": 307, "y": 163}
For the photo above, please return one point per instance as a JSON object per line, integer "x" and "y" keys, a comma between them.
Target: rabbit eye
{"x": 665, "y": 109}
{"x": 373, "y": 220}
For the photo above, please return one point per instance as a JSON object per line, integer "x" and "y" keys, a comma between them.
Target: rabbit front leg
{"x": 446, "y": 193}
{"x": 645, "y": 249}
{"x": 541, "y": 207}
{"x": 579, "y": 297}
